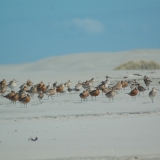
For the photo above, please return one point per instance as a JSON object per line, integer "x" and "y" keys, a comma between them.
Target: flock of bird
{"x": 28, "y": 89}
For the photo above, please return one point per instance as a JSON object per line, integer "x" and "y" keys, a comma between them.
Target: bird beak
{"x": 157, "y": 89}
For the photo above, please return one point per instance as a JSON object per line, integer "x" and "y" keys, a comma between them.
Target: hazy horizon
{"x": 33, "y": 30}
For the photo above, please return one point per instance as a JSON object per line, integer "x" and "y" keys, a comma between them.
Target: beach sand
{"x": 70, "y": 129}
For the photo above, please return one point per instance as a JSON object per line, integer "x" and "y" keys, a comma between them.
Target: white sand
{"x": 69, "y": 129}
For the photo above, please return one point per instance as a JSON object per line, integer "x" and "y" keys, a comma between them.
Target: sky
{"x": 31, "y": 30}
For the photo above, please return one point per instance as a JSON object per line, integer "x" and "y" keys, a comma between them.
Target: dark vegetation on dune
{"x": 139, "y": 65}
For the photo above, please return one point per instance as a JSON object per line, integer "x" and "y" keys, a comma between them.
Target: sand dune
{"x": 83, "y": 62}
{"x": 68, "y": 129}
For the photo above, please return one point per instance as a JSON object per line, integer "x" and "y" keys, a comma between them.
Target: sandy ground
{"x": 70, "y": 129}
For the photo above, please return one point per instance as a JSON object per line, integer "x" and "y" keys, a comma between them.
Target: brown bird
{"x": 141, "y": 88}
{"x": 32, "y": 91}
{"x": 40, "y": 96}
{"x": 147, "y": 81}
{"x": 3, "y": 83}
{"x": 26, "y": 100}
{"x": 21, "y": 96}
{"x": 84, "y": 95}
{"x": 111, "y": 94}
{"x": 118, "y": 86}
{"x": 106, "y": 90}
{"x": 51, "y": 92}
{"x": 124, "y": 84}
{"x": 3, "y": 90}
{"x": 25, "y": 88}
{"x": 86, "y": 85}
{"x": 41, "y": 87}
{"x": 22, "y": 86}
{"x": 60, "y": 89}
{"x": 94, "y": 93}
{"x": 29, "y": 83}
{"x": 91, "y": 81}
{"x": 101, "y": 87}
{"x": 14, "y": 98}
{"x": 133, "y": 93}
{"x": 9, "y": 95}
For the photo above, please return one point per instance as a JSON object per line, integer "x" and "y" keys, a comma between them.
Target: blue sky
{"x": 34, "y": 29}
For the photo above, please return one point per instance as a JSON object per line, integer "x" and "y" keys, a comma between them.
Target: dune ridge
{"x": 81, "y": 62}
{"x": 139, "y": 65}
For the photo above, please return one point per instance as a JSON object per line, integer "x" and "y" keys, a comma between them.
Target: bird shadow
{"x": 36, "y": 104}
{"x": 80, "y": 102}
{"x": 145, "y": 102}
{"x": 9, "y": 106}
{"x": 107, "y": 102}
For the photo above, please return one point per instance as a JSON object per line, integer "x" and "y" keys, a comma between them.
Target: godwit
{"x": 29, "y": 83}
{"x": 85, "y": 85}
{"x": 70, "y": 90}
{"x": 111, "y": 94}
{"x": 104, "y": 83}
{"x": 55, "y": 84}
{"x": 22, "y": 95}
{"x": 141, "y": 88}
{"x": 106, "y": 90}
{"x": 94, "y": 93}
{"x": 25, "y": 100}
{"x": 40, "y": 84}
{"x": 101, "y": 87}
{"x": 124, "y": 84}
{"x": 107, "y": 80}
{"x": 91, "y": 82}
{"x": 84, "y": 95}
{"x": 78, "y": 86}
{"x": 12, "y": 84}
{"x": 50, "y": 86}
{"x": 133, "y": 93}
{"x": 14, "y": 98}
{"x": 25, "y": 88}
{"x": 40, "y": 96}
{"x": 22, "y": 86}
{"x": 68, "y": 84}
{"x": 3, "y": 83}
{"x": 9, "y": 95}
{"x": 41, "y": 87}
{"x": 133, "y": 86}
{"x": 152, "y": 93}
{"x": 3, "y": 90}
{"x": 147, "y": 81}
{"x": 32, "y": 91}
{"x": 51, "y": 92}
{"x": 118, "y": 86}
{"x": 60, "y": 88}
